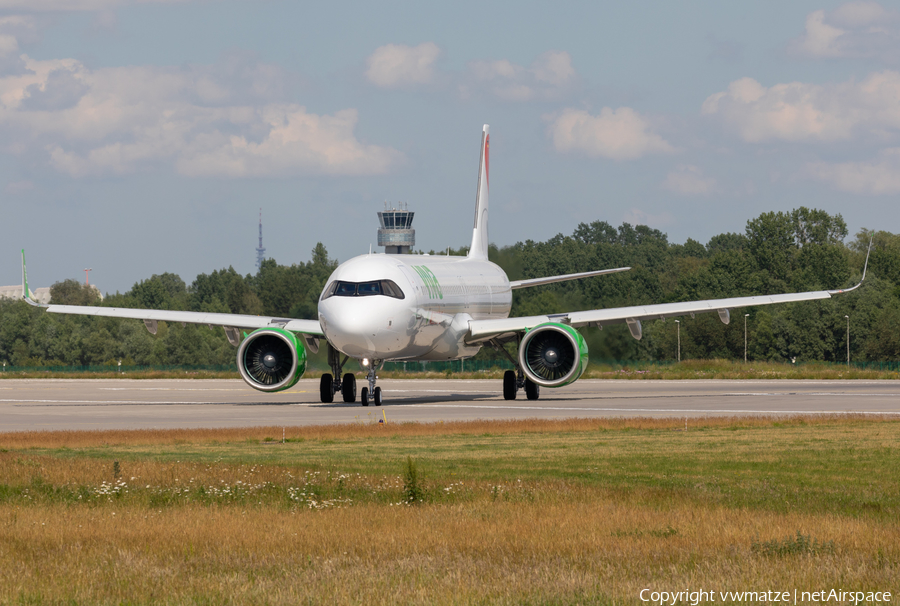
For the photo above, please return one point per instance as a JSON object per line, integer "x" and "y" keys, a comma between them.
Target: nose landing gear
{"x": 331, "y": 383}
{"x": 371, "y": 389}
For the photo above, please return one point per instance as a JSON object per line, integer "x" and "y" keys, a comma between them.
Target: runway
{"x": 49, "y": 404}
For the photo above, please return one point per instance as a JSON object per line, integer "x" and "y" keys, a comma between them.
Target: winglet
{"x": 479, "y": 248}
{"x": 865, "y": 268}
{"x": 26, "y": 293}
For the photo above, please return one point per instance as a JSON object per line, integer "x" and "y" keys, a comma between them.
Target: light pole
{"x": 86, "y": 270}
{"x": 678, "y": 324}
{"x": 745, "y": 337}
{"x": 848, "y": 341}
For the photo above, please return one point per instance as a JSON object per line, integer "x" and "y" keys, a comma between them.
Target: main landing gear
{"x": 513, "y": 382}
{"x": 329, "y": 385}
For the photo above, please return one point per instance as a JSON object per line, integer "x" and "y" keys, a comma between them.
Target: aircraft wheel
{"x": 532, "y": 389}
{"x": 348, "y": 387}
{"x": 377, "y": 396}
{"x": 326, "y": 388}
{"x": 364, "y": 396}
{"x": 509, "y": 385}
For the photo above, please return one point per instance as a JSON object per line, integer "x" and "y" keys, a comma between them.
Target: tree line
{"x": 805, "y": 249}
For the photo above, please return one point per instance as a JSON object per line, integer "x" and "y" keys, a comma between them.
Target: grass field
{"x": 580, "y": 511}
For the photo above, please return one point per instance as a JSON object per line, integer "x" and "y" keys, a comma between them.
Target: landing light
{"x": 365, "y": 361}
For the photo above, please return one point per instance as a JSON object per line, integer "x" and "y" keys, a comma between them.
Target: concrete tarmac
{"x": 50, "y": 404}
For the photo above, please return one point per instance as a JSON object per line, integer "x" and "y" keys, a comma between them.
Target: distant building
{"x": 41, "y": 295}
{"x": 396, "y": 233}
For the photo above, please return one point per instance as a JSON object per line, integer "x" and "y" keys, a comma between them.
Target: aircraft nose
{"x": 361, "y": 326}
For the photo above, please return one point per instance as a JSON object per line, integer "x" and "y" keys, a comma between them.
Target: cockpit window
{"x": 363, "y": 289}
{"x": 368, "y": 288}
{"x": 345, "y": 289}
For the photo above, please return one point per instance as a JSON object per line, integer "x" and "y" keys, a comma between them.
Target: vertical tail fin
{"x": 25, "y": 293}
{"x": 479, "y": 248}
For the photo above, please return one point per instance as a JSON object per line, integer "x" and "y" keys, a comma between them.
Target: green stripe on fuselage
{"x": 430, "y": 280}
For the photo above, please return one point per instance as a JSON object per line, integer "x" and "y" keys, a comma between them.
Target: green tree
{"x": 73, "y": 292}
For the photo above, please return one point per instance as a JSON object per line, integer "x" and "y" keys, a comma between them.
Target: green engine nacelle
{"x": 271, "y": 359}
{"x": 553, "y": 354}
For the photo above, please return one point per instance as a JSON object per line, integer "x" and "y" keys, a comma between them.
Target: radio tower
{"x": 260, "y": 252}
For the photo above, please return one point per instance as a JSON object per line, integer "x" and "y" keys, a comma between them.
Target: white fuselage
{"x": 441, "y": 294}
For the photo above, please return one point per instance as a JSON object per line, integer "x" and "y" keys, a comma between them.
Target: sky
{"x": 142, "y": 137}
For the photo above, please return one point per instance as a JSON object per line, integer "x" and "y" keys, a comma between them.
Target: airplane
{"x": 380, "y": 307}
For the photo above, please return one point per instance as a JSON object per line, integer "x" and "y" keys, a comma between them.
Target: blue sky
{"x": 143, "y": 137}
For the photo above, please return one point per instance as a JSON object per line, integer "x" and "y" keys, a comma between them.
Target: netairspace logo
{"x": 694, "y": 598}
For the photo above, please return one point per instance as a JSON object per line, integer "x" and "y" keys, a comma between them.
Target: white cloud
{"x": 13, "y": 31}
{"x": 621, "y": 134}
{"x": 204, "y": 120}
{"x": 636, "y": 216}
{"x": 398, "y": 65}
{"x": 879, "y": 177}
{"x": 799, "y": 111}
{"x": 8, "y": 45}
{"x": 688, "y": 180}
{"x": 18, "y": 187}
{"x": 856, "y": 30}
{"x": 73, "y": 5}
{"x": 548, "y": 76}
{"x": 296, "y": 139}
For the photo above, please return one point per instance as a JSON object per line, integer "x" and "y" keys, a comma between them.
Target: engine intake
{"x": 271, "y": 359}
{"x": 553, "y": 354}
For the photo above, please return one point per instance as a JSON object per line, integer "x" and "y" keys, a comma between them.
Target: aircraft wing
{"x": 481, "y": 330}
{"x": 232, "y": 323}
{"x": 309, "y": 327}
{"x": 564, "y": 278}
{"x": 485, "y": 330}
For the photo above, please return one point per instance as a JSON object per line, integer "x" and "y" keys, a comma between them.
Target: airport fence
{"x": 122, "y": 368}
{"x": 412, "y": 367}
{"x": 450, "y": 366}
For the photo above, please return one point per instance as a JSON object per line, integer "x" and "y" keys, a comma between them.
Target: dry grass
{"x": 123, "y": 437}
{"x": 575, "y": 511}
{"x": 592, "y": 548}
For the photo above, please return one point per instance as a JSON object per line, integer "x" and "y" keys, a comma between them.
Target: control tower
{"x": 396, "y": 233}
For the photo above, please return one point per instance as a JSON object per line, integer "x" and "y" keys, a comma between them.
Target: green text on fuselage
{"x": 430, "y": 281}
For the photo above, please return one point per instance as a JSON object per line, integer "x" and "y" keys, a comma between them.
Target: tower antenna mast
{"x": 260, "y": 252}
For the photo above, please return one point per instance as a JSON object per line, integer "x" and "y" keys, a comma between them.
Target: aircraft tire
{"x": 364, "y": 396}
{"x": 326, "y": 388}
{"x": 509, "y": 385}
{"x": 532, "y": 389}
{"x": 376, "y": 395}
{"x": 348, "y": 387}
